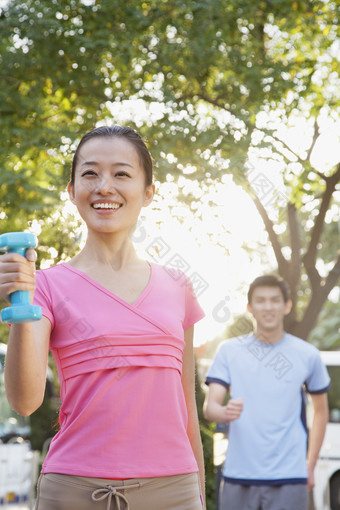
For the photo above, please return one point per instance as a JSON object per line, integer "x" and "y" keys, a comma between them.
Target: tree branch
{"x": 332, "y": 278}
{"x": 283, "y": 264}
{"x": 301, "y": 160}
{"x": 315, "y": 137}
{"x": 295, "y": 244}
{"x": 285, "y": 145}
{"x": 309, "y": 258}
{"x": 319, "y": 297}
{"x": 215, "y": 102}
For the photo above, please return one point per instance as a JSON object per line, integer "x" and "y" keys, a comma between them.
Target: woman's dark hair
{"x": 115, "y": 132}
{"x": 269, "y": 280}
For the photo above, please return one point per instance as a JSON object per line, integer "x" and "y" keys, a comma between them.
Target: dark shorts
{"x": 65, "y": 492}
{"x": 264, "y": 497}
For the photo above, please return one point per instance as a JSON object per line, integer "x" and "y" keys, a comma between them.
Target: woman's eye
{"x": 88, "y": 172}
{"x": 122, "y": 174}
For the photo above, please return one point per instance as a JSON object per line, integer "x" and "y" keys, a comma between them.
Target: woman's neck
{"x": 106, "y": 250}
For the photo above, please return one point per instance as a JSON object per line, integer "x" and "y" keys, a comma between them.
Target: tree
{"x": 52, "y": 90}
{"x": 232, "y": 74}
{"x": 58, "y": 64}
{"x": 221, "y": 79}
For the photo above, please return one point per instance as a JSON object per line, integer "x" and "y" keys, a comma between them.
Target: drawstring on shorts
{"x": 108, "y": 492}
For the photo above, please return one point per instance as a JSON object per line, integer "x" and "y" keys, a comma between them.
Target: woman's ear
{"x": 149, "y": 194}
{"x": 70, "y": 190}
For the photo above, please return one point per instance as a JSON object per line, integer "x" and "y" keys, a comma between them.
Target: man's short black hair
{"x": 269, "y": 280}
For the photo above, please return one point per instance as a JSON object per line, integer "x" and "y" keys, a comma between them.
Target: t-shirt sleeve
{"x": 318, "y": 381}
{"x": 219, "y": 370}
{"x": 193, "y": 310}
{"x": 42, "y": 297}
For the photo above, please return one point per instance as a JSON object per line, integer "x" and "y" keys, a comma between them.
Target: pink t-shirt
{"x": 123, "y": 412}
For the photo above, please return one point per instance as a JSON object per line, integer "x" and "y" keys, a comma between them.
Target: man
{"x": 266, "y": 374}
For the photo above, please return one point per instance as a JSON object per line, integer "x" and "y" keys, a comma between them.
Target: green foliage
{"x": 210, "y": 475}
{"x": 51, "y": 91}
{"x": 227, "y": 76}
{"x": 222, "y": 77}
{"x": 3, "y": 328}
{"x": 333, "y": 394}
{"x": 206, "y": 429}
{"x": 43, "y": 423}
{"x": 238, "y": 58}
{"x": 212, "y": 67}
{"x": 326, "y": 335}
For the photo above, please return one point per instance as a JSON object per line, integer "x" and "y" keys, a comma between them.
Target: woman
{"x": 121, "y": 332}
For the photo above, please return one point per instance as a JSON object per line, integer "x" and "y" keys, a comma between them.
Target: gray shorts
{"x": 67, "y": 492}
{"x": 263, "y": 497}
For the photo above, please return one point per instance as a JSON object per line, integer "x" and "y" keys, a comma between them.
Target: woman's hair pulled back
{"x": 118, "y": 132}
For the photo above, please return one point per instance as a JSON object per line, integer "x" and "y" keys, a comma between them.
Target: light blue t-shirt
{"x": 268, "y": 443}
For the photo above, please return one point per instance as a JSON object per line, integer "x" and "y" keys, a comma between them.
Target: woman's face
{"x": 109, "y": 186}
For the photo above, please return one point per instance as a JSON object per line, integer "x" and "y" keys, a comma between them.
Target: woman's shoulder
{"x": 49, "y": 271}
{"x": 50, "y": 275}
{"x": 168, "y": 274}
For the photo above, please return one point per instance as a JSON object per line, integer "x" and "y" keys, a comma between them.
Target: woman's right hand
{"x": 17, "y": 272}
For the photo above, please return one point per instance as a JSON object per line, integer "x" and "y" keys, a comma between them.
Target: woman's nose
{"x": 105, "y": 185}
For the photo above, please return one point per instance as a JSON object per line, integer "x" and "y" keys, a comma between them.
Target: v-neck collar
{"x": 101, "y": 287}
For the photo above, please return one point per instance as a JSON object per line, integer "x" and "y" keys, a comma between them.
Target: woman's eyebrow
{"x": 89, "y": 163}
{"x": 119, "y": 163}
{"x": 122, "y": 163}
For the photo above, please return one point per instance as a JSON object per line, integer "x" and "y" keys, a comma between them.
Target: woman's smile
{"x": 106, "y": 207}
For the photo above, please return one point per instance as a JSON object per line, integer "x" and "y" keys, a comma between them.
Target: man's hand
{"x": 233, "y": 409}
{"x": 311, "y": 481}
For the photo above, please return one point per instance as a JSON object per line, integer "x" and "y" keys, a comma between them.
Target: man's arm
{"x": 215, "y": 411}
{"x": 316, "y": 433}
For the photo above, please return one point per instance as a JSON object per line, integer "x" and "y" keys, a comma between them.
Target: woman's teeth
{"x": 106, "y": 206}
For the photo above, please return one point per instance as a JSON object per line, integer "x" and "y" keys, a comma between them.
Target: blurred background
{"x": 239, "y": 103}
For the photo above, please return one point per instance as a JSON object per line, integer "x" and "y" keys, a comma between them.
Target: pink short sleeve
{"x": 193, "y": 310}
{"x": 42, "y": 297}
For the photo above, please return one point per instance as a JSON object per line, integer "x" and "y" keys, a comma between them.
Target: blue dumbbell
{"x": 21, "y": 309}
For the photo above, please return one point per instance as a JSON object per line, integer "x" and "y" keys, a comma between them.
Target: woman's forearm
{"x": 25, "y": 368}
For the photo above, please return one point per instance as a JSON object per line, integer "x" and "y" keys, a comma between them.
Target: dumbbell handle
{"x": 21, "y": 297}
{"x": 21, "y": 309}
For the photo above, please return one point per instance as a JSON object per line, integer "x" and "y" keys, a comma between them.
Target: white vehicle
{"x": 327, "y": 471}
{"x": 17, "y": 460}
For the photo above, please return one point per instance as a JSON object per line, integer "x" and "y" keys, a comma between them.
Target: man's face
{"x": 268, "y": 308}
